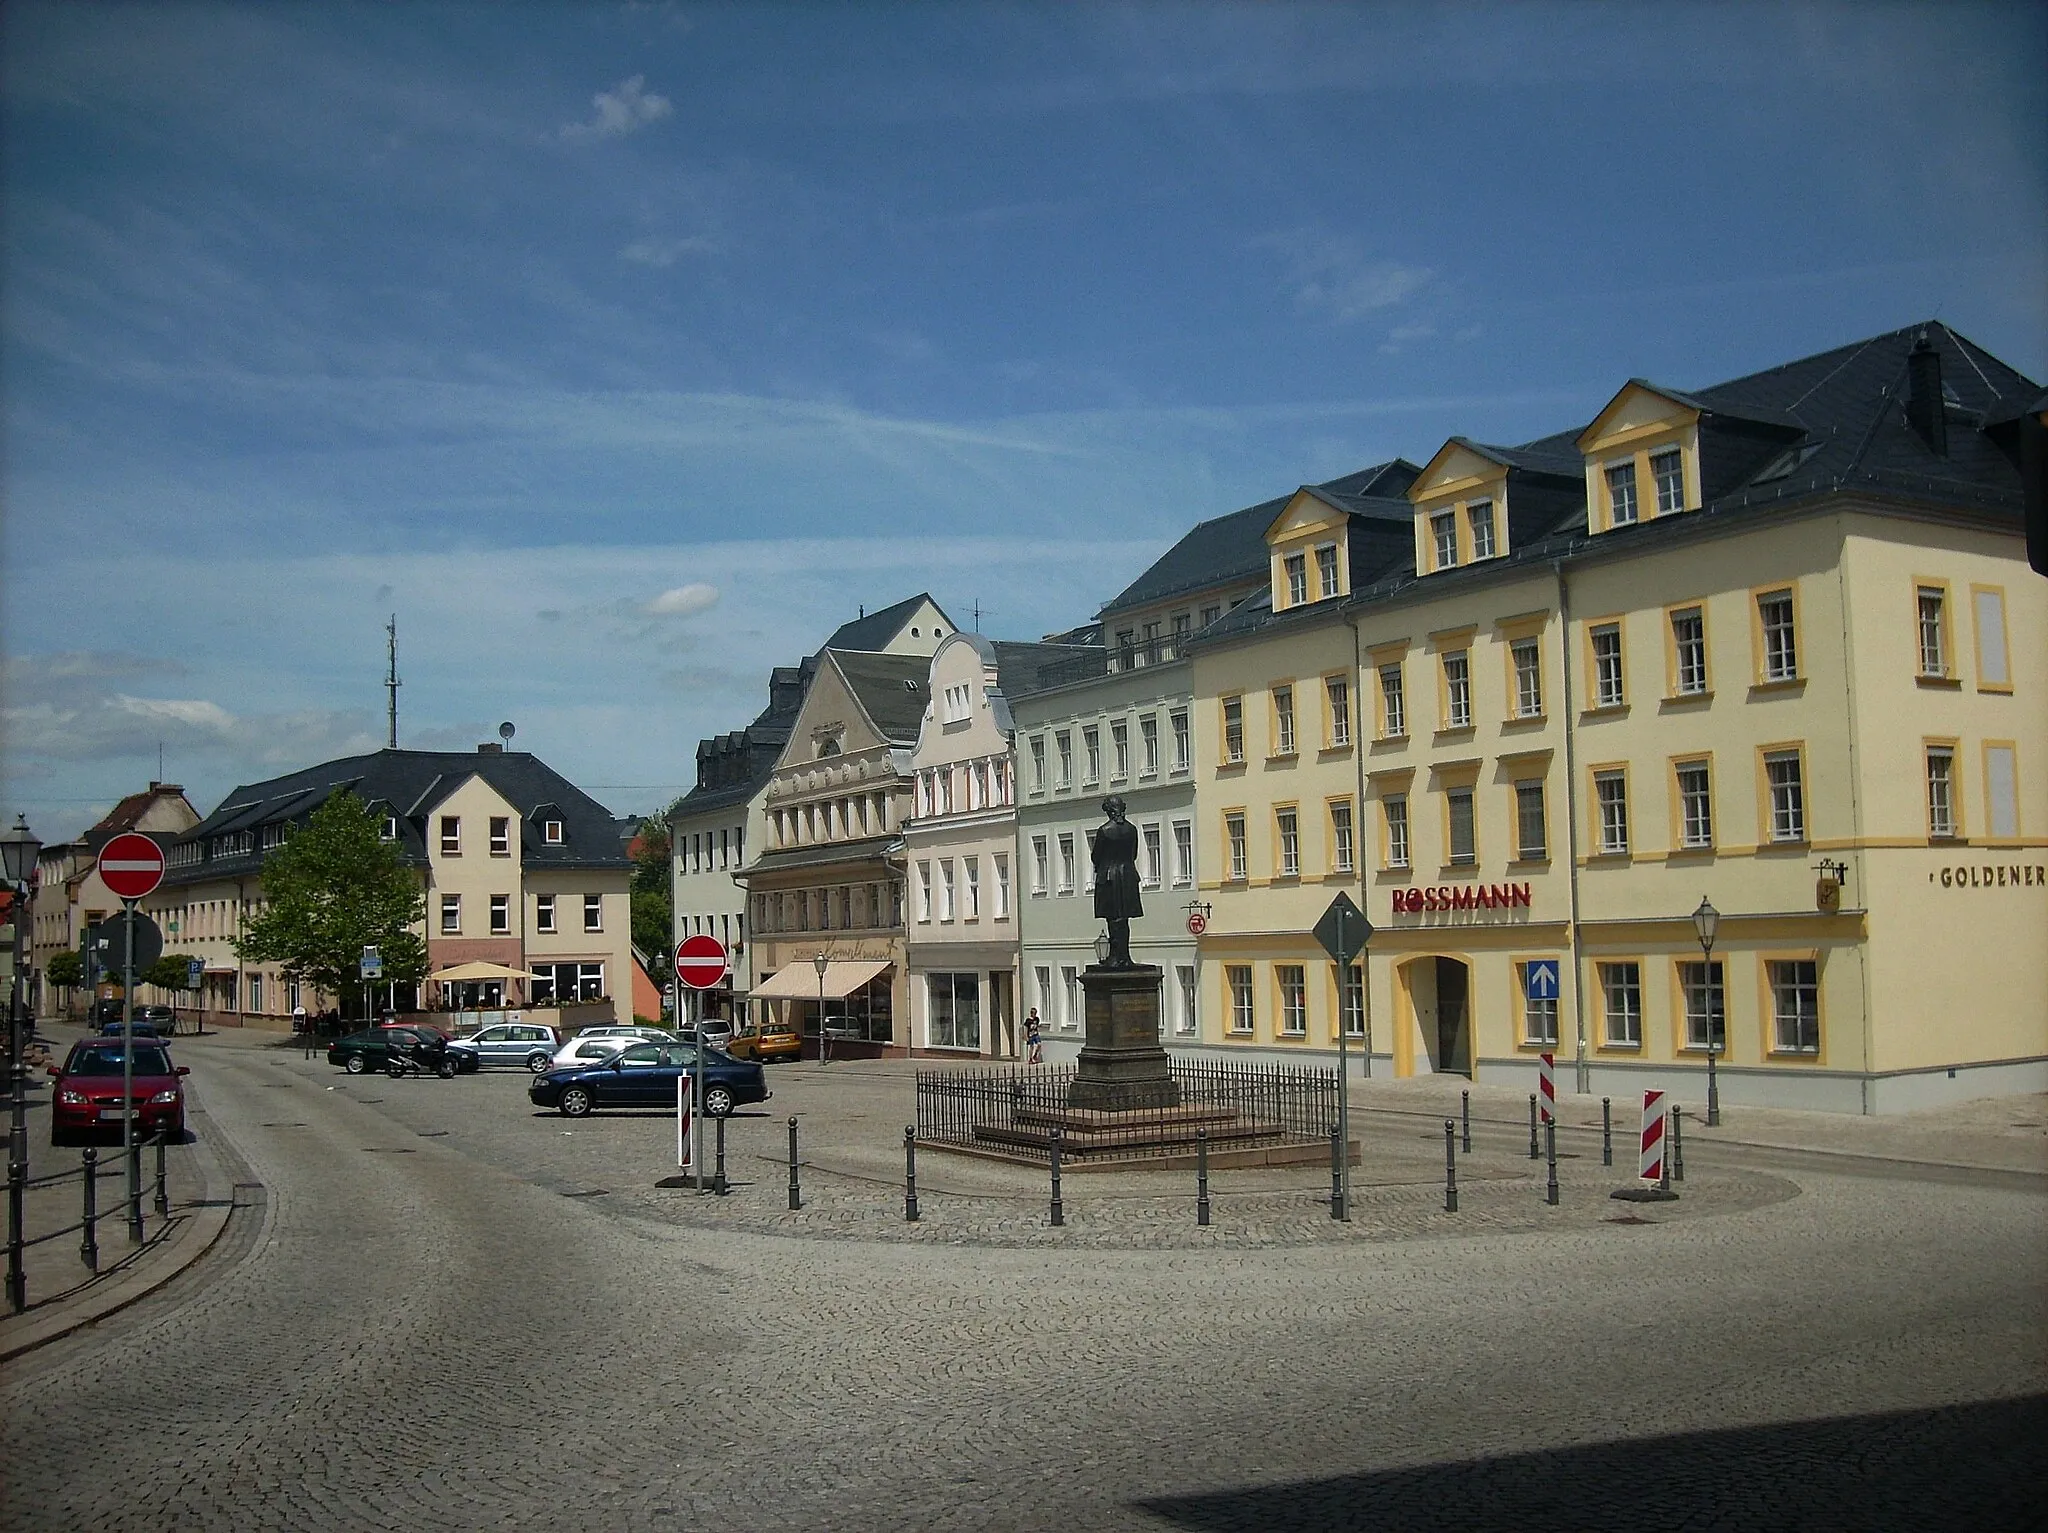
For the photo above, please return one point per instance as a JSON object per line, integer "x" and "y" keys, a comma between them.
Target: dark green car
{"x": 369, "y": 1050}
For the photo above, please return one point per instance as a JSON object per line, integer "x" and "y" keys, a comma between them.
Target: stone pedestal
{"x": 1122, "y": 1066}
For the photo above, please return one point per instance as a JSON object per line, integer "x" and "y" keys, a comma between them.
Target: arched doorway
{"x": 1439, "y": 997}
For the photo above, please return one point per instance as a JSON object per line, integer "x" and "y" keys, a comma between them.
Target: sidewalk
{"x": 63, "y": 1294}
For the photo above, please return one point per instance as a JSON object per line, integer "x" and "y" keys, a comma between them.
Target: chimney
{"x": 1926, "y": 412}
{"x": 491, "y": 748}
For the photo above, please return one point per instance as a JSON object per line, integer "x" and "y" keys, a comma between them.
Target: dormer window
{"x": 1480, "y": 515}
{"x": 1621, "y": 494}
{"x": 551, "y": 832}
{"x": 1667, "y": 468}
{"x": 1297, "y": 579}
{"x": 1326, "y": 569}
{"x": 390, "y": 827}
{"x": 1444, "y": 528}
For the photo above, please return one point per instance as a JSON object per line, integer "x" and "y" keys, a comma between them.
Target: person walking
{"x": 1034, "y": 1045}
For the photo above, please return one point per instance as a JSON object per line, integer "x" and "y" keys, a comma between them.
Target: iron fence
{"x": 1233, "y": 1105}
{"x": 152, "y": 1189}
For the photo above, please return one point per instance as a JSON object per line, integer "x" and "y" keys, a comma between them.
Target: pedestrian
{"x": 1034, "y": 1045}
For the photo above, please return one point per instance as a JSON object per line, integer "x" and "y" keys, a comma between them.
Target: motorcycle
{"x": 410, "y": 1060}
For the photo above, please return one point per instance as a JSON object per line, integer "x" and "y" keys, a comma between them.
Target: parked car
{"x": 529, "y": 1045}
{"x": 85, "y": 1095}
{"x": 141, "y": 1027}
{"x": 598, "y": 1043}
{"x": 772, "y": 1040}
{"x": 645, "y": 1075}
{"x": 715, "y": 1032}
{"x": 370, "y": 1049}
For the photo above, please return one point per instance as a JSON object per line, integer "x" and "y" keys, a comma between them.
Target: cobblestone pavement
{"x": 450, "y": 1312}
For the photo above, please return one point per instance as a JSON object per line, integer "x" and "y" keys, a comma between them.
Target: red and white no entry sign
{"x": 131, "y": 865}
{"x": 700, "y": 962}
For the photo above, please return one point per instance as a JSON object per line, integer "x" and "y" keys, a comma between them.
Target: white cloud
{"x": 1331, "y": 272}
{"x": 659, "y": 253}
{"x": 684, "y": 600}
{"x": 626, "y": 108}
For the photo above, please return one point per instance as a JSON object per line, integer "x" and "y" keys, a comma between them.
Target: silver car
{"x": 529, "y": 1045}
{"x": 599, "y": 1043}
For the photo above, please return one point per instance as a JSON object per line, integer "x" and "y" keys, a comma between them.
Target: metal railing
{"x": 87, "y": 1173}
{"x": 1227, "y": 1104}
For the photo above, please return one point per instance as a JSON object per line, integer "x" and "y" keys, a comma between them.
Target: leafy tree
{"x": 331, "y": 890}
{"x": 653, "y": 909}
{"x": 169, "y": 972}
{"x": 65, "y": 969}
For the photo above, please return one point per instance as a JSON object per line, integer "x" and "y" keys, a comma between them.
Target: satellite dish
{"x": 506, "y": 731}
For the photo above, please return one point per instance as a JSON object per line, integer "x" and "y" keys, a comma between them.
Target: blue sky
{"x": 623, "y": 351}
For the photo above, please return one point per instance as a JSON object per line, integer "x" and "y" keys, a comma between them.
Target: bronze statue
{"x": 1115, "y": 857}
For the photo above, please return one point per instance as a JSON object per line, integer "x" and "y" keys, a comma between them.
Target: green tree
{"x": 331, "y": 890}
{"x": 65, "y": 969}
{"x": 653, "y": 909}
{"x": 169, "y": 972}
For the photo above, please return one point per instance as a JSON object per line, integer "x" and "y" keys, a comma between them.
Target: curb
{"x": 190, "y": 1237}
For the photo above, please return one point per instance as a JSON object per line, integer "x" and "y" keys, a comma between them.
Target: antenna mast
{"x": 391, "y": 683}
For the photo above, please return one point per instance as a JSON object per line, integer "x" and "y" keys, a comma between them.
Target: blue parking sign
{"x": 1539, "y": 979}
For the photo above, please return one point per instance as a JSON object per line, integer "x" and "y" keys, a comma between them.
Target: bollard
{"x": 1664, "y": 1164}
{"x": 1677, "y": 1143}
{"x": 1059, "y": 1209}
{"x": 1337, "y": 1208}
{"x": 1550, "y": 1154}
{"x": 1202, "y": 1176}
{"x": 796, "y": 1197}
{"x": 718, "y": 1171}
{"x": 910, "y": 1176}
{"x": 1533, "y": 1150}
{"x": 163, "y": 1191}
{"x": 89, "y": 1241}
{"x": 135, "y": 1193}
{"x": 1465, "y": 1115}
{"x": 1450, "y": 1167}
{"x": 1606, "y": 1131}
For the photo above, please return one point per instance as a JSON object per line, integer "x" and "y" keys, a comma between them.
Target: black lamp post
{"x": 18, "y": 851}
{"x": 1707, "y": 921}
{"x": 821, "y": 963}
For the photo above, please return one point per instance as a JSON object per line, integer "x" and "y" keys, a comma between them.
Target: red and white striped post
{"x": 1546, "y": 1085}
{"x": 1654, "y": 1110}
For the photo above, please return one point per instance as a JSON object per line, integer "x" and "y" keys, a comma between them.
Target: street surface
{"x": 448, "y": 1312}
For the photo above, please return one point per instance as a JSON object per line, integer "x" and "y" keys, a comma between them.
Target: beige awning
{"x": 799, "y": 981}
{"x": 477, "y": 970}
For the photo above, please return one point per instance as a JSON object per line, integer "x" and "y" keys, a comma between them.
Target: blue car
{"x": 645, "y": 1075}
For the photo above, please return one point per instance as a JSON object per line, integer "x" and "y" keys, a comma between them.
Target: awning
{"x": 798, "y": 981}
{"x": 477, "y": 970}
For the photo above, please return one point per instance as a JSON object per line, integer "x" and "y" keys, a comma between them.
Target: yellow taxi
{"x": 771, "y": 1040}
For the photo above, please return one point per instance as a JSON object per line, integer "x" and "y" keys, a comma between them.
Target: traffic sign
{"x": 1343, "y": 931}
{"x": 131, "y": 865}
{"x": 195, "y": 972}
{"x": 1539, "y": 979}
{"x": 372, "y": 964}
{"x": 126, "y": 928}
{"x": 700, "y": 962}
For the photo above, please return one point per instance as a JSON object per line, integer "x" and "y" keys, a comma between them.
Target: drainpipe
{"x": 1583, "y": 1073}
{"x": 1358, "y": 695}
{"x": 1856, "y": 834}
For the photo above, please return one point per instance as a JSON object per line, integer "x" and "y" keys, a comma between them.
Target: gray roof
{"x": 409, "y": 784}
{"x": 875, "y": 629}
{"x": 1231, "y": 548}
{"x": 893, "y": 689}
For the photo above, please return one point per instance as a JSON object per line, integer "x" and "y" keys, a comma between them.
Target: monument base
{"x": 1122, "y": 1067}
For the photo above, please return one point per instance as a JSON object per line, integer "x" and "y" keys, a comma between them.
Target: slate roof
{"x": 893, "y": 689}
{"x": 878, "y": 628}
{"x": 757, "y": 747}
{"x": 1830, "y": 423}
{"x": 411, "y": 783}
{"x": 1018, "y": 665}
{"x": 1230, "y": 548}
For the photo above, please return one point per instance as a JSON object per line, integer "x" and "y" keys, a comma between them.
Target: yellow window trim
{"x": 1767, "y": 1009}
{"x": 1764, "y": 839}
{"x": 2005, "y": 637}
{"x": 1676, "y": 839}
{"x": 1671, "y": 692}
{"x": 1680, "y": 1049}
{"x": 1948, "y": 672}
{"x": 1984, "y": 750}
{"x": 1598, "y": 998}
{"x": 1590, "y": 672}
{"x": 1758, "y": 680}
{"x": 1509, "y": 637}
{"x": 1594, "y": 771}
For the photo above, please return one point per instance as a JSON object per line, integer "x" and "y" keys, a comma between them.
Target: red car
{"x": 86, "y": 1094}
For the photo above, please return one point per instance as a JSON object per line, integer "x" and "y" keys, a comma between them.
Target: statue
{"x": 1115, "y": 857}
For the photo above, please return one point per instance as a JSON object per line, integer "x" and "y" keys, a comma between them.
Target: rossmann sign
{"x": 1415, "y": 902}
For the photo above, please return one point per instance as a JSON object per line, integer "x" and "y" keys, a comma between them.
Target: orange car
{"x": 774, "y": 1040}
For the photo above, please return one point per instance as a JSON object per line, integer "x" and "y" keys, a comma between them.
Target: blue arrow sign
{"x": 1540, "y": 979}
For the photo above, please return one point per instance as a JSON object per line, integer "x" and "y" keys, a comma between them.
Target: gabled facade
{"x": 1754, "y": 643}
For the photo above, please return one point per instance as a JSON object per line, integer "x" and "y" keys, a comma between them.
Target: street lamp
{"x": 821, "y": 963}
{"x": 18, "y": 851}
{"x": 1707, "y": 921}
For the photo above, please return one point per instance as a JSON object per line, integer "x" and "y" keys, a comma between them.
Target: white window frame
{"x": 1610, "y": 687}
{"x": 1287, "y": 832}
{"x": 593, "y": 912}
{"x": 1393, "y": 702}
{"x": 1337, "y": 699}
{"x": 1667, "y": 476}
{"x": 1183, "y": 853}
{"x": 1777, "y": 619}
{"x": 1795, "y": 1004}
{"x": 1479, "y": 517}
{"x": 1148, "y": 745}
{"x": 1328, "y": 582}
{"x": 1183, "y": 740}
{"x": 501, "y": 915}
{"x": 1610, "y": 794}
{"x": 1343, "y": 838}
{"x": 544, "y": 914}
{"x": 1457, "y": 665}
{"x": 1238, "y": 846}
{"x": 1689, "y": 651}
{"x": 451, "y": 915}
{"x": 1283, "y": 720}
{"x": 1152, "y": 870}
{"x": 1622, "y": 507}
{"x": 1621, "y": 1003}
{"x": 1394, "y": 813}
{"x": 1695, "y": 804}
{"x": 1527, "y": 655}
{"x": 1041, "y": 863}
{"x": 1296, "y": 566}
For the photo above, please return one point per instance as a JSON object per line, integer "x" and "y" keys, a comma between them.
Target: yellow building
{"x": 1755, "y": 646}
